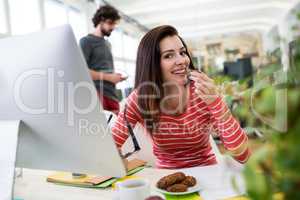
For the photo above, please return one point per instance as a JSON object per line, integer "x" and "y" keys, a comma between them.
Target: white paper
{"x": 216, "y": 181}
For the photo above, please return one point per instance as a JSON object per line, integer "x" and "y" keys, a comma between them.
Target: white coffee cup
{"x": 133, "y": 189}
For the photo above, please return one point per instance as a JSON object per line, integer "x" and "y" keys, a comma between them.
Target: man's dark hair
{"x": 104, "y": 13}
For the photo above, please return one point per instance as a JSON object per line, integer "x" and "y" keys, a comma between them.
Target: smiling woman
{"x": 173, "y": 51}
{"x": 178, "y": 114}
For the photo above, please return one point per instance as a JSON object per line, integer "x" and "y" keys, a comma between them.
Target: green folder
{"x": 192, "y": 196}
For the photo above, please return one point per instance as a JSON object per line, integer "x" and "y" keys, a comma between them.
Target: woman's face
{"x": 174, "y": 60}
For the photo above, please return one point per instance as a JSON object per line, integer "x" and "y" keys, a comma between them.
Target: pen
{"x": 109, "y": 118}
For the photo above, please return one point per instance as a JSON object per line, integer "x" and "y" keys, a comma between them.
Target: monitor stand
{"x": 9, "y": 131}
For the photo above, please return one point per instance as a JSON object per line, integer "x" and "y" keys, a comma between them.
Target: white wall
{"x": 21, "y": 17}
{"x": 271, "y": 40}
{"x": 282, "y": 30}
{"x": 290, "y": 21}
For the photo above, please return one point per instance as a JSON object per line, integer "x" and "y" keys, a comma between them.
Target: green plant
{"x": 276, "y": 166}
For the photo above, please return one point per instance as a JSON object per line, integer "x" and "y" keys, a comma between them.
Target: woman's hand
{"x": 205, "y": 87}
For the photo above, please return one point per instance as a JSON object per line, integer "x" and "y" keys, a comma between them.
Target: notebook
{"x": 94, "y": 181}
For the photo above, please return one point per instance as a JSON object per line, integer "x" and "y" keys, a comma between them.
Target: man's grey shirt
{"x": 97, "y": 53}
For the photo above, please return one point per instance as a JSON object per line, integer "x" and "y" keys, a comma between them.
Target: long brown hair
{"x": 148, "y": 77}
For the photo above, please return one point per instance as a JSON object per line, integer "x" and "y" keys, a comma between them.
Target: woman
{"x": 178, "y": 106}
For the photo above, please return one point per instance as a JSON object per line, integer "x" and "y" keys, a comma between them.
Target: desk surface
{"x": 214, "y": 180}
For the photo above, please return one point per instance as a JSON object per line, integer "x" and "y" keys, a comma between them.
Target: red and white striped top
{"x": 183, "y": 140}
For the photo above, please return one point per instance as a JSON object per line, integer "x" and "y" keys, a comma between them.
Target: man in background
{"x": 98, "y": 55}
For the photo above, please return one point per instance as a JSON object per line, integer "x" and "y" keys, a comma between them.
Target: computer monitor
{"x": 240, "y": 69}
{"x": 44, "y": 81}
{"x": 231, "y": 69}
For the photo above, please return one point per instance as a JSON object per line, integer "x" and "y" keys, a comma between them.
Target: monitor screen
{"x": 45, "y": 82}
{"x": 240, "y": 69}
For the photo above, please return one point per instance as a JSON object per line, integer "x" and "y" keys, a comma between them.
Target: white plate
{"x": 193, "y": 189}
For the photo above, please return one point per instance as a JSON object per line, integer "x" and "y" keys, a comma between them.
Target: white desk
{"x": 215, "y": 181}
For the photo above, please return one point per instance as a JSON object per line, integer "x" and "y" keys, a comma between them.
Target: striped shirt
{"x": 182, "y": 140}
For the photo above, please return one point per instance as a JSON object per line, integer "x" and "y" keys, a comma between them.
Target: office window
{"x": 130, "y": 69}
{"x": 25, "y": 16}
{"x": 55, "y": 13}
{"x": 120, "y": 68}
{"x": 3, "y": 28}
{"x": 78, "y": 23}
{"x": 130, "y": 47}
{"x": 116, "y": 43}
